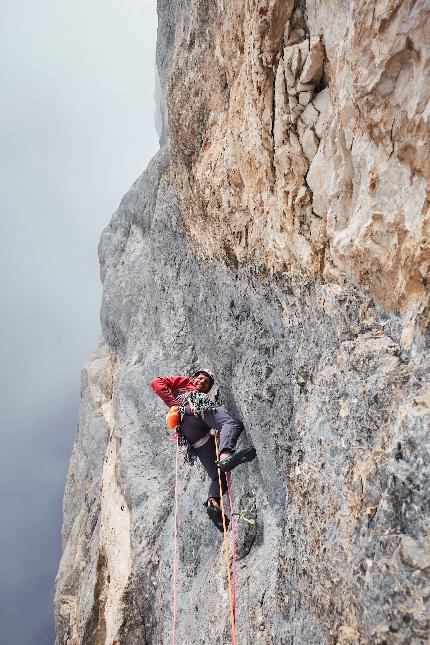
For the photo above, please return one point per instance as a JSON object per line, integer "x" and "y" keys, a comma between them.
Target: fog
{"x": 76, "y": 129}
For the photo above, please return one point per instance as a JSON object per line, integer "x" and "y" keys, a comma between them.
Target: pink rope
{"x": 233, "y": 544}
{"x": 175, "y": 537}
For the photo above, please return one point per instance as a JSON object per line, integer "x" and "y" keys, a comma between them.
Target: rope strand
{"x": 233, "y": 541}
{"x": 175, "y": 538}
{"x": 227, "y": 557}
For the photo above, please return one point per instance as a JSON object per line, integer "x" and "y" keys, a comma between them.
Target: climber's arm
{"x": 165, "y": 386}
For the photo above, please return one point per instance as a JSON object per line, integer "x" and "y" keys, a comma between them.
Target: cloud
{"x": 77, "y": 127}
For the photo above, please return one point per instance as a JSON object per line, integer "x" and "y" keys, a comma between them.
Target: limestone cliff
{"x": 280, "y": 237}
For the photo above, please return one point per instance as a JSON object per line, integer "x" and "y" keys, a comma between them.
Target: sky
{"x": 76, "y": 129}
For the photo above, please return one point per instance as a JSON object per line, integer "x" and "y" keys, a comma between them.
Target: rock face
{"x": 280, "y": 237}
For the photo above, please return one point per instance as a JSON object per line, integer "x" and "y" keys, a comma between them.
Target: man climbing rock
{"x": 196, "y": 414}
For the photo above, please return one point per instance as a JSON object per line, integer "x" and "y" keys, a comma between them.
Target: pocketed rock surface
{"x": 279, "y": 237}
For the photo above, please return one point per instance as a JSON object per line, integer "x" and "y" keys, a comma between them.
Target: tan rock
{"x": 310, "y": 115}
{"x": 421, "y": 401}
{"x": 304, "y": 50}
{"x": 262, "y": 26}
{"x": 292, "y": 102}
{"x": 296, "y": 112}
{"x": 282, "y": 159}
{"x": 322, "y": 100}
{"x": 345, "y": 409}
{"x": 302, "y": 196}
{"x": 318, "y": 179}
{"x": 414, "y": 553}
{"x": 314, "y": 65}
{"x": 296, "y": 62}
{"x": 309, "y": 143}
{"x": 320, "y": 123}
{"x": 305, "y": 87}
{"x": 304, "y": 98}
{"x": 287, "y": 31}
{"x": 295, "y": 36}
{"x": 255, "y": 214}
{"x": 289, "y": 76}
{"x": 370, "y": 174}
{"x": 301, "y": 127}
{"x": 281, "y": 106}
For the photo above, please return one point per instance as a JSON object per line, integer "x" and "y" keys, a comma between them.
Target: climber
{"x": 199, "y": 415}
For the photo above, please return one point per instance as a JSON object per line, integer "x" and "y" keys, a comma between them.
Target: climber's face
{"x": 202, "y": 382}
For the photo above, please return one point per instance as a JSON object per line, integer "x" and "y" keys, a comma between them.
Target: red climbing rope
{"x": 227, "y": 556}
{"x": 175, "y": 536}
{"x": 233, "y": 541}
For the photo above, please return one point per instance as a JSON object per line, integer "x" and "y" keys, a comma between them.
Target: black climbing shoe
{"x": 239, "y": 457}
{"x": 215, "y": 514}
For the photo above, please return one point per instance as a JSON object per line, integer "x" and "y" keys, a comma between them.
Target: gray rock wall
{"x": 334, "y": 395}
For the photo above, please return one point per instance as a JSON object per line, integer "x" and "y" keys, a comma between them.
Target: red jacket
{"x": 171, "y": 388}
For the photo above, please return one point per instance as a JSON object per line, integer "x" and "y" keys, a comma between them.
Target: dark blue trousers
{"x": 196, "y": 427}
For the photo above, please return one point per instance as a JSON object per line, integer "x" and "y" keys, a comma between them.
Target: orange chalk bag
{"x": 173, "y": 418}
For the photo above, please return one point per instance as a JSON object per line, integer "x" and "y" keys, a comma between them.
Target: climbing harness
{"x": 201, "y": 442}
{"x": 231, "y": 589}
{"x": 199, "y": 403}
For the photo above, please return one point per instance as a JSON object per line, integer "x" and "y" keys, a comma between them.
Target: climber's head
{"x": 203, "y": 380}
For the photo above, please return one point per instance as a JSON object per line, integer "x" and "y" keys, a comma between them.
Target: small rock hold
{"x": 304, "y": 98}
{"x": 236, "y": 179}
{"x": 296, "y": 112}
{"x": 322, "y": 100}
{"x": 415, "y": 554}
{"x": 309, "y": 143}
{"x": 371, "y": 511}
{"x": 262, "y": 26}
{"x": 267, "y": 371}
{"x": 304, "y": 50}
{"x": 302, "y": 198}
{"x": 296, "y": 62}
{"x": 295, "y": 37}
{"x": 344, "y": 409}
{"x": 394, "y": 626}
{"x": 292, "y": 102}
{"x": 300, "y": 128}
{"x": 305, "y": 87}
{"x": 314, "y": 65}
{"x": 289, "y": 77}
{"x": 310, "y": 115}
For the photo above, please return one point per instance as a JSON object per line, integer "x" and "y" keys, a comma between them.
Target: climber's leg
{"x": 228, "y": 426}
{"x": 193, "y": 428}
{"x": 230, "y": 430}
{"x": 207, "y": 456}
{"x": 240, "y": 457}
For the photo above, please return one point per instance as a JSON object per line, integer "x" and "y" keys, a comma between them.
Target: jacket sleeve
{"x": 165, "y": 386}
